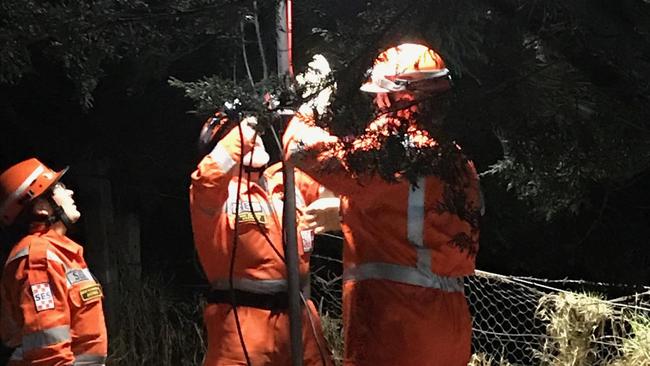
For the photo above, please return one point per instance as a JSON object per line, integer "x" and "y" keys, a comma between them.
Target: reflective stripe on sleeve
{"x": 25, "y": 251}
{"x": 50, "y": 256}
{"x": 55, "y": 258}
{"x": 89, "y": 360}
{"x": 21, "y": 253}
{"x": 221, "y": 156}
{"x": 300, "y": 200}
{"x": 403, "y": 274}
{"x": 46, "y": 337}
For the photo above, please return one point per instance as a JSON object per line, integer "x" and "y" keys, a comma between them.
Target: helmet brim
{"x": 371, "y": 87}
{"x": 59, "y": 174}
{"x": 55, "y": 180}
{"x": 399, "y": 83}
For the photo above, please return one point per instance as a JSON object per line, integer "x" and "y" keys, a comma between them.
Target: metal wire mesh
{"x": 524, "y": 321}
{"x": 529, "y": 321}
{"x": 505, "y": 326}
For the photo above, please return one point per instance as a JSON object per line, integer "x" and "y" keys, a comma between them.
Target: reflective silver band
{"x": 300, "y": 200}
{"x": 17, "y": 354}
{"x": 21, "y": 188}
{"x": 415, "y": 224}
{"x": 255, "y": 286}
{"x": 25, "y": 251}
{"x": 221, "y": 156}
{"x": 415, "y": 213}
{"x": 46, "y": 337}
{"x": 50, "y": 256}
{"x": 403, "y": 274}
{"x": 55, "y": 258}
{"x": 89, "y": 360}
{"x": 21, "y": 253}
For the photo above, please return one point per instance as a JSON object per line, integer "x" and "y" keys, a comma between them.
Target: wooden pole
{"x": 285, "y": 71}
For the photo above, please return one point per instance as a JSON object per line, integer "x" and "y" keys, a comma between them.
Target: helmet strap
{"x": 250, "y": 169}
{"x": 59, "y": 214}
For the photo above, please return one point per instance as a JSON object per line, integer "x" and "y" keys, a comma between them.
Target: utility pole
{"x": 285, "y": 72}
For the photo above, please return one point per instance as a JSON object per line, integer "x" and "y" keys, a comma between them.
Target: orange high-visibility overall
{"x": 51, "y": 304}
{"x": 259, "y": 271}
{"x": 408, "y": 246}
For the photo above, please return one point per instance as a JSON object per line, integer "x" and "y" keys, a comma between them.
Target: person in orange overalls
{"x": 247, "y": 316}
{"x": 410, "y": 238}
{"x": 51, "y": 305}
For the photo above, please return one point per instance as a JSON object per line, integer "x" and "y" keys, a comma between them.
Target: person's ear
{"x": 41, "y": 207}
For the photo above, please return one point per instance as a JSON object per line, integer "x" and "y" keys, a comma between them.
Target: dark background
{"x": 569, "y": 197}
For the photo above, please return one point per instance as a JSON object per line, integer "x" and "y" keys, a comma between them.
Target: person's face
{"x": 63, "y": 197}
{"x": 384, "y": 101}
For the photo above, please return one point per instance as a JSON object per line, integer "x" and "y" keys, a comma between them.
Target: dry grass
{"x": 636, "y": 347}
{"x": 481, "y": 359}
{"x": 156, "y": 327}
{"x": 333, "y": 332}
{"x": 573, "y": 319}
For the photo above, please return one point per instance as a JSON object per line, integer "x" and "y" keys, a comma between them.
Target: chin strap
{"x": 250, "y": 169}
{"x": 59, "y": 214}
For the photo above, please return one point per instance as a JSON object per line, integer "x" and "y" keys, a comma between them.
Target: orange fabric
{"x": 213, "y": 220}
{"x": 375, "y": 225}
{"x": 395, "y": 324}
{"x": 47, "y": 257}
{"x": 266, "y": 335}
{"x": 22, "y": 183}
{"x": 212, "y": 201}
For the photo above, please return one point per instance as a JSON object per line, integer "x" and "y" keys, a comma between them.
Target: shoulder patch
{"x": 42, "y": 295}
{"x": 91, "y": 292}
{"x": 78, "y": 275}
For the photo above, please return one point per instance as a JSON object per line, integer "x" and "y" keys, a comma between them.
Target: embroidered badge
{"x": 78, "y": 275}
{"x": 91, "y": 292}
{"x": 247, "y": 217}
{"x": 43, "y": 298}
{"x": 307, "y": 240}
{"x": 248, "y": 214}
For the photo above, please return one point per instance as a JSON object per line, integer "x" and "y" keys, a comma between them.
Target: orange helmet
{"x": 20, "y": 184}
{"x": 400, "y": 68}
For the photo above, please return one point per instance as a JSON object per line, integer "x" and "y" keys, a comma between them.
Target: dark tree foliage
{"x": 85, "y": 37}
{"x": 550, "y": 99}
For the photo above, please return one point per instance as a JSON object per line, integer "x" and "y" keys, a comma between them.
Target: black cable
{"x": 250, "y": 205}
{"x": 235, "y": 240}
{"x": 321, "y": 350}
{"x": 259, "y": 224}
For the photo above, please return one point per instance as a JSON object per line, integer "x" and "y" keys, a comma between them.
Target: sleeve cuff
{"x": 222, "y": 158}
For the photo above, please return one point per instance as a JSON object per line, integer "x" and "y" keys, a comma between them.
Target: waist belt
{"x": 276, "y": 301}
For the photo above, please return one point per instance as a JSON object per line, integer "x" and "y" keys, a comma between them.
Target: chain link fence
{"x": 529, "y": 321}
{"x": 517, "y": 321}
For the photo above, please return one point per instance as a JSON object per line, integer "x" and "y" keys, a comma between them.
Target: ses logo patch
{"x": 42, "y": 295}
